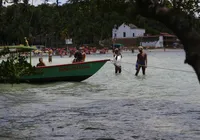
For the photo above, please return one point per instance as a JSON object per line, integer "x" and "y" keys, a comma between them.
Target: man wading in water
{"x": 141, "y": 61}
{"x": 117, "y": 61}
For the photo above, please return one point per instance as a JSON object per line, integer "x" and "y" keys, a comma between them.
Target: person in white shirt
{"x": 117, "y": 61}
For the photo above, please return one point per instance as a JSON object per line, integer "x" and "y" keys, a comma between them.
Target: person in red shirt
{"x": 141, "y": 61}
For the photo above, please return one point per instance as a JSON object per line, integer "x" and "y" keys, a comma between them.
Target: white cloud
{"x": 38, "y": 2}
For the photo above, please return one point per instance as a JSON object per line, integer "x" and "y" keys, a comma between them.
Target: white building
{"x": 127, "y": 31}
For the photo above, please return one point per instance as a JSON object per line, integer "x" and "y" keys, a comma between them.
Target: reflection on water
{"x": 161, "y": 105}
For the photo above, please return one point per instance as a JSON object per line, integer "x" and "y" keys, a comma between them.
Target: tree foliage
{"x": 86, "y": 21}
{"x": 16, "y": 66}
{"x": 182, "y": 18}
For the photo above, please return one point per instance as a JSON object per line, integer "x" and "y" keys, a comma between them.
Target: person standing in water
{"x": 141, "y": 61}
{"x": 50, "y": 55}
{"x": 132, "y": 50}
{"x": 117, "y": 61}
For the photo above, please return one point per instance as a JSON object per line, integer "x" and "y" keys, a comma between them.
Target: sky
{"x": 38, "y": 2}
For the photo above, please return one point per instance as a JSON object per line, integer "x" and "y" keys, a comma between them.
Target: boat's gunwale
{"x": 61, "y": 65}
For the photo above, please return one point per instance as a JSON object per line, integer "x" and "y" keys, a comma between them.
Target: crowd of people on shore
{"x": 68, "y": 51}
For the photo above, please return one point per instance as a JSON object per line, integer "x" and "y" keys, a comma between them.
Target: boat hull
{"x": 68, "y": 72}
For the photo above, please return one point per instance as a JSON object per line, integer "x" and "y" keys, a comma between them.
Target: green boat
{"x": 67, "y": 72}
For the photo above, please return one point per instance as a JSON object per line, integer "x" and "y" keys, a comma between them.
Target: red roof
{"x": 150, "y": 36}
{"x": 167, "y": 34}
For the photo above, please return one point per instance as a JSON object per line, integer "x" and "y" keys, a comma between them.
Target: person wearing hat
{"x": 141, "y": 61}
{"x": 117, "y": 61}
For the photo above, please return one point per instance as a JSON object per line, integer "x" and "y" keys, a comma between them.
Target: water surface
{"x": 164, "y": 104}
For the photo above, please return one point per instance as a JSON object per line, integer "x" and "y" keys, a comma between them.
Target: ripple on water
{"x": 161, "y": 105}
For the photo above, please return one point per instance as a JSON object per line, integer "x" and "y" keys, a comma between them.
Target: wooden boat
{"x": 67, "y": 72}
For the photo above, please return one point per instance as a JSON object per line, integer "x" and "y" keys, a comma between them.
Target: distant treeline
{"x": 86, "y": 21}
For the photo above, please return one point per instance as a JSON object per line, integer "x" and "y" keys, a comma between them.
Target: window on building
{"x": 133, "y": 34}
{"x": 124, "y": 34}
{"x": 115, "y": 35}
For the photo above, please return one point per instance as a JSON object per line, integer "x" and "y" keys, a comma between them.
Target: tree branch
{"x": 180, "y": 23}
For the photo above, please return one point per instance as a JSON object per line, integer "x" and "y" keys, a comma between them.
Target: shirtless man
{"x": 83, "y": 55}
{"x": 50, "y": 55}
{"x": 141, "y": 61}
{"x": 41, "y": 63}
